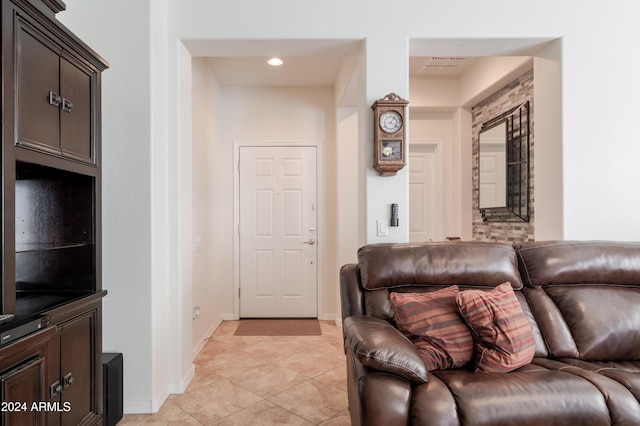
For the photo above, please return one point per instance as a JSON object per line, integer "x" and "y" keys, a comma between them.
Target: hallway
{"x": 248, "y": 380}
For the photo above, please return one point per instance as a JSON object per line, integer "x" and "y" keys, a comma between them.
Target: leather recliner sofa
{"x": 581, "y": 300}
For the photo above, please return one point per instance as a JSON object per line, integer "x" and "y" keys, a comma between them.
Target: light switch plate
{"x": 383, "y": 228}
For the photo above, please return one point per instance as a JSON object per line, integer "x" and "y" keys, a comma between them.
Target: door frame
{"x": 438, "y": 146}
{"x": 320, "y": 235}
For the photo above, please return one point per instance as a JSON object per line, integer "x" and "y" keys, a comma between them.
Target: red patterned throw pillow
{"x": 504, "y": 340}
{"x": 434, "y": 325}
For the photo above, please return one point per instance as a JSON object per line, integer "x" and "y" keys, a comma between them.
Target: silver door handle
{"x": 310, "y": 242}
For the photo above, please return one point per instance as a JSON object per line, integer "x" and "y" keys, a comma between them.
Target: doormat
{"x": 278, "y": 327}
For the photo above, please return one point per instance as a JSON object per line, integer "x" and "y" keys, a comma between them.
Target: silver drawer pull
{"x": 54, "y": 99}
{"x": 67, "y": 105}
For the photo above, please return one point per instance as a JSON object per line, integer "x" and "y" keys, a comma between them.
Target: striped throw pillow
{"x": 433, "y": 323}
{"x": 504, "y": 340}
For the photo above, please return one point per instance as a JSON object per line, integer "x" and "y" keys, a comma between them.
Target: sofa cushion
{"x": 585, "y": 297}
{"x": 579, "y": 262}
{"x": 530, "y": 395}
{"x": 624, "y": 407}
{"x": 469, "y": 263}
{"x": 504, "y": 340}
{"x": 625, "y": 373}
{"x": 604, "y": 320}
{"x": 433, "y": 323}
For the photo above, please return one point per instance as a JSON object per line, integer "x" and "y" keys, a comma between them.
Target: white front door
{"x": 425, "y": 195}
{"x": 278, "y": 235}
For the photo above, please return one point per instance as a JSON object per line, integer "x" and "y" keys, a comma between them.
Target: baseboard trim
{"x": 196, "y": 350}
{"x": 149, "y": 407}
{"x": 154, "y": 405}
{"x": 138, "y": 408}
{"x": 181, "y": 386}
{"x": 331, "y": 317}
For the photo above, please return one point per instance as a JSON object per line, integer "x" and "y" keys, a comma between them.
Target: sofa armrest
{"x": 379, "y": 345}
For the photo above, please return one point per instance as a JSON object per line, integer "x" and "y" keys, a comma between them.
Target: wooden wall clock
{"x": 389, "y": 134}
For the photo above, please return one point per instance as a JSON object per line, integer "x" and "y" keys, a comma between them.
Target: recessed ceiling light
{"x": 275, "y": 62}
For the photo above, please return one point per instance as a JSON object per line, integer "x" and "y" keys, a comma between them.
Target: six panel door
{"x": 278, "y": 236}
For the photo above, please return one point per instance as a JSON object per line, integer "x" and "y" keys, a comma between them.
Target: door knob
{"x": 311, "y": 242}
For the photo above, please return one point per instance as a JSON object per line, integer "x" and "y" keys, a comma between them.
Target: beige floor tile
{"x": 336, "y": 377}
{"x": 169, "y": 414}
{"x": 227, "y": 364}
{"x": 268, "y": 380}
{"x": 313, "y": 400}
{"x": 313, "y": 361}
{"x": 274, "y": 350}
{"x": 264, "y": 413}
{"x": 250, "y": 380}
{"x": 211, "y": 403}
{"x": 203, "y": 377}
{"x": 342, "y": 419}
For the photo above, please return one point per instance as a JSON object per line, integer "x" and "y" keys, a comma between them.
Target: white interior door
{"x": 425, "y": 195}
{"x": 493, "y": 172}
{"x": 278, "y": 244}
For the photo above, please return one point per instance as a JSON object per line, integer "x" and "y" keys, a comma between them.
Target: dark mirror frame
{"x": 517, "y": 166}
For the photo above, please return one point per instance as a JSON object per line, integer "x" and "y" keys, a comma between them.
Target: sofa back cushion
{"x": 585, "y": 297}
{"x": 428, "y": 267}
{"x": 444, "y": 264}
{"x": 423, "y": 267}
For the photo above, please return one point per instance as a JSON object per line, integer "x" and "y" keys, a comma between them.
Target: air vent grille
{"x": 442, "y": 64}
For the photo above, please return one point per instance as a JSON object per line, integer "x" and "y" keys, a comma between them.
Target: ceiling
{"x": 244, "y": 62}
{"x": 295, "y": 71}
{"x": 315, "y": 70}
{"x": 318, "y": 62}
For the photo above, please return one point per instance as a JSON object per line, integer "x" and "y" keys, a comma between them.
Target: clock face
{"x": 390, "y": 121}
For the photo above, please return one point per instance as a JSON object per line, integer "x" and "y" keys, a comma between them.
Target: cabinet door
{"x": 55, "y": 95}
{"x": 78, "y": 355}
{"x": 20, "y": 388}
{"x": 38, "y": 82}
{"x": 76, "y": 87}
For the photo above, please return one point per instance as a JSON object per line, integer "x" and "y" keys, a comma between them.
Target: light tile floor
{"x": 260, "y": 380}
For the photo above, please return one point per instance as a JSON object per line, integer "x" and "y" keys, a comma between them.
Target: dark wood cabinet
{"x": 55, "y": 89}
{"x": 51, "y": 219}
{"x": 75, "y": 369}
{"x": 23, "y": 379}
{"x": 21, "y": 387}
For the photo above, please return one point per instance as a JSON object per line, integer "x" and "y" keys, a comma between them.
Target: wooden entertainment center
{"x": 50, "y": 351}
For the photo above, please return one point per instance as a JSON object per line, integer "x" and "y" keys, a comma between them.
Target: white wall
{"x": 548, "y": 158}
{"x": 144, "y": 130}
{"x": 126, "y": 184}
{"x": 209, "y": 220}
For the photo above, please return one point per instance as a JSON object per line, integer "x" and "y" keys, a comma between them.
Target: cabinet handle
{"x": 68, "y": 380}
{"x": 55, "y": 388}
{"x": 67, "y": 105}
{"x": 54, "y": 99}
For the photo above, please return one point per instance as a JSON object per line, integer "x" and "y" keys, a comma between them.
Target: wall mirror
{"x": 503, "y": 167}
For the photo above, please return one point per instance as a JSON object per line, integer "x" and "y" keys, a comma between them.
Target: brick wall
{"x": 506, "y": 98}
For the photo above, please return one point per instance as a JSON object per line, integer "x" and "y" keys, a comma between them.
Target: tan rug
{"x": 278, "y": 327}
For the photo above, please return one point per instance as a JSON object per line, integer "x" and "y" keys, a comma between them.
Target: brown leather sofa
{"x": 581, "y": 299}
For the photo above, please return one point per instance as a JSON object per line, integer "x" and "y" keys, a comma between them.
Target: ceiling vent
{"x": 442, "y": 65}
